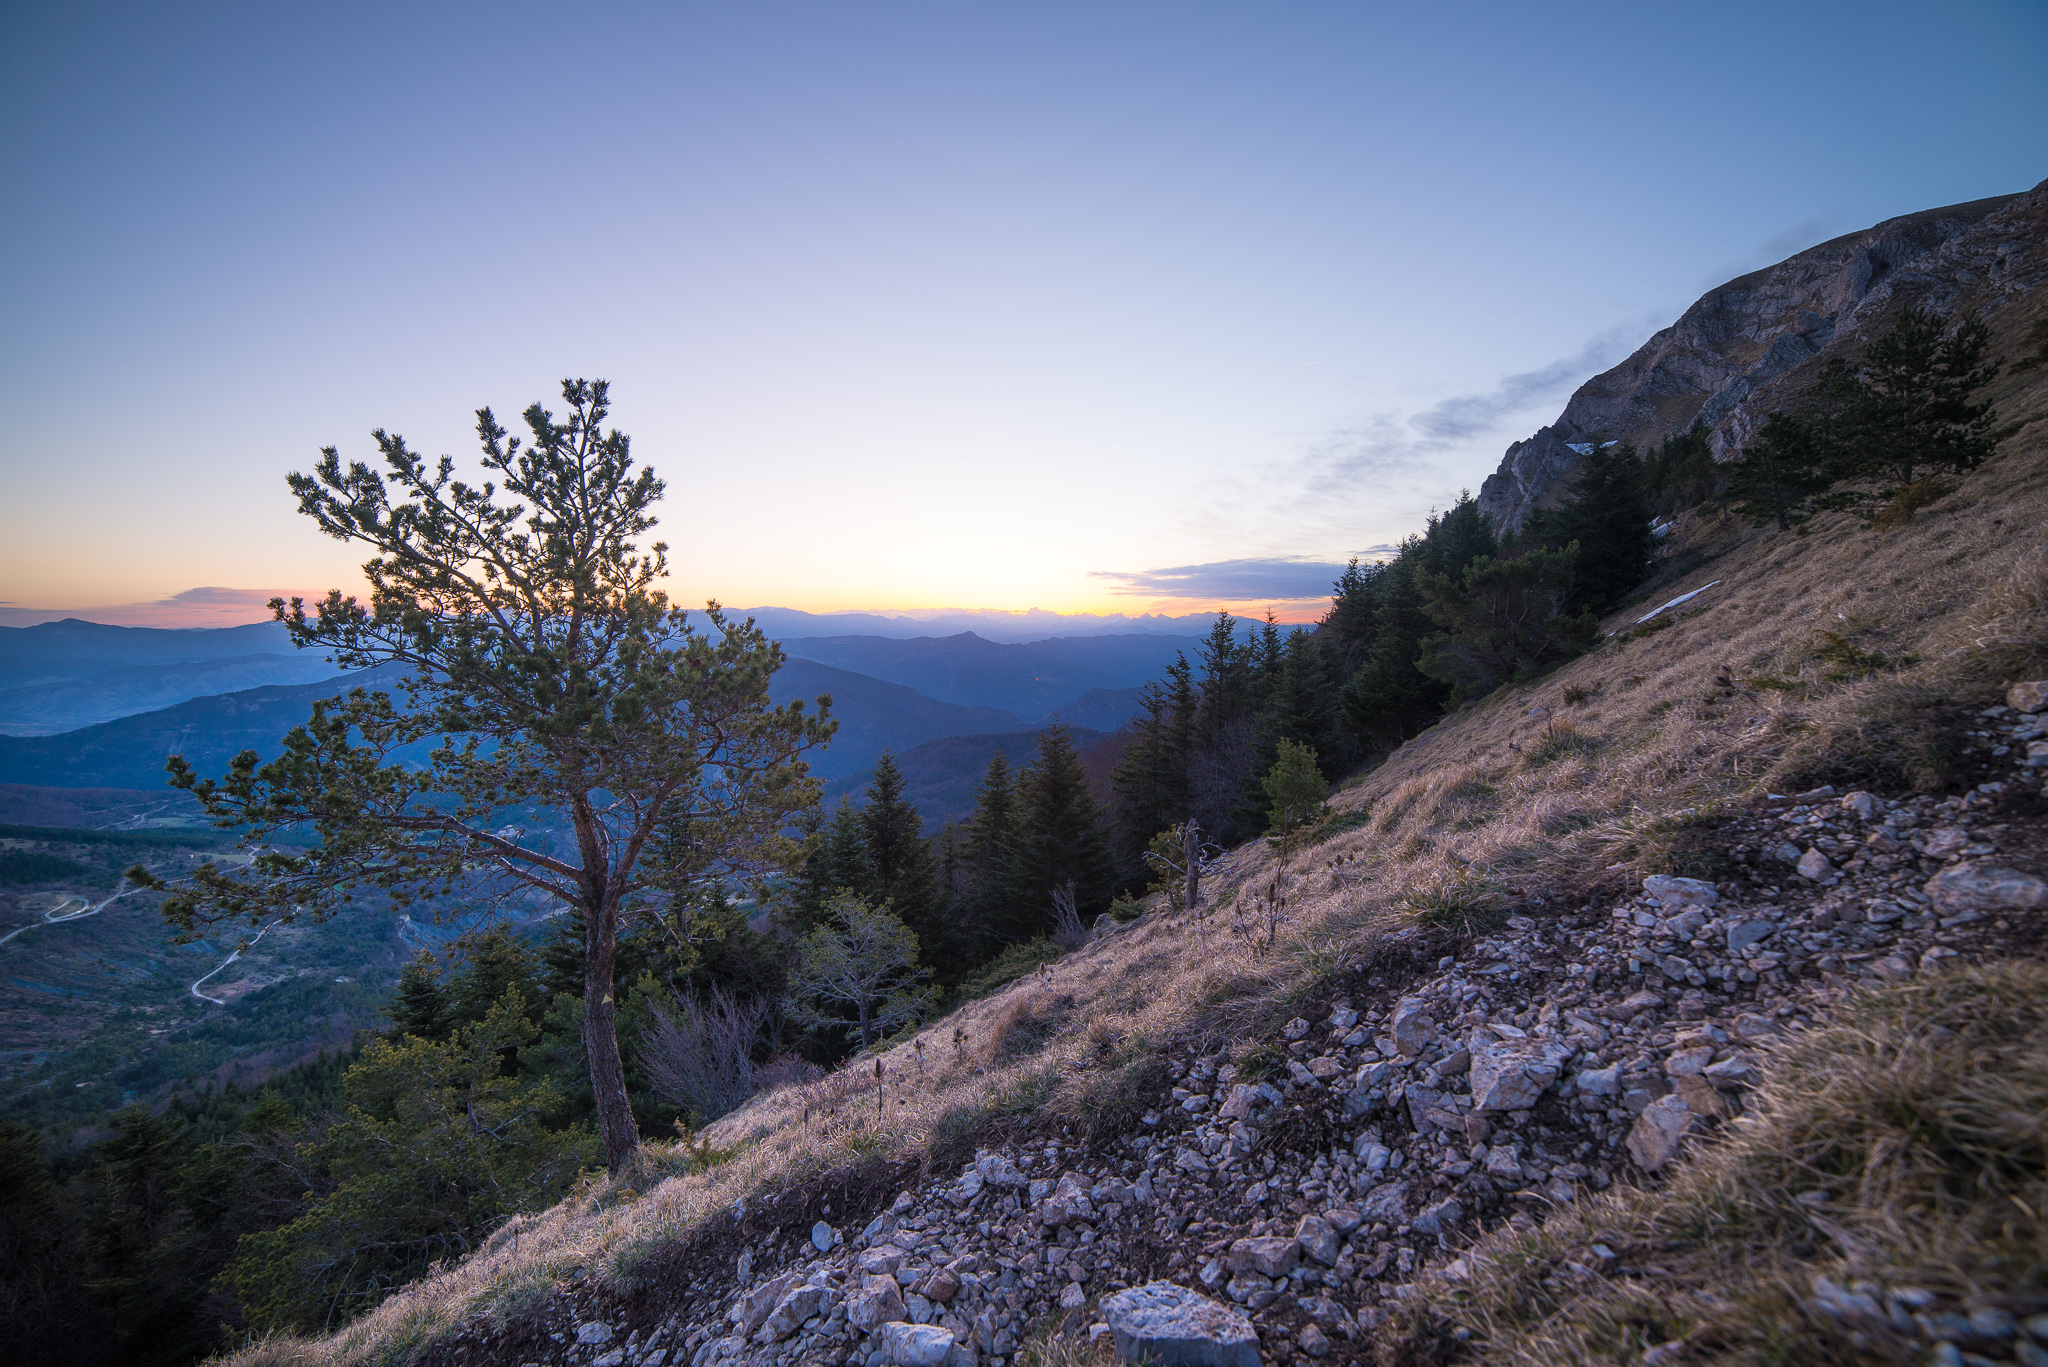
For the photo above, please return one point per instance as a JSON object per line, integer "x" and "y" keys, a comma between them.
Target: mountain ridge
{"x": 1751, "y": 344}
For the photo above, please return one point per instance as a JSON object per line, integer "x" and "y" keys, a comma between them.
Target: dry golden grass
{"x": 1904, "y": 1145}
{"x": 1589, "y": 768}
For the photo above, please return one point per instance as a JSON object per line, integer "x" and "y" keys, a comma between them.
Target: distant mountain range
{"x": 874, "y": 716}
{"x": 989, "y": 623}
{"x": 94, "y": 707}
{"x": 60, "y": 676}
{"x": 1037, "y": 681}
{"x": 940, "y": 777}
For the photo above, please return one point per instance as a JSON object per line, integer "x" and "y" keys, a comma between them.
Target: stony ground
{"x": 1302, "y": 1182}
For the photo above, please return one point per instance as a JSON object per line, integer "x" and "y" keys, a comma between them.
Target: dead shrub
{"x": 700, "y": 1056}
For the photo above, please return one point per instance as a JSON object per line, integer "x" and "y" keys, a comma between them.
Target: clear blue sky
{"x": 914, "y": 305}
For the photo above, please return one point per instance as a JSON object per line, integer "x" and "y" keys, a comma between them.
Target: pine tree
{"x": 1390, "y": 698}
{"x": 1502, "y": 620}
{"x": 495, "y": 961}
{"x": 420, "y": 1005}
{"x": 1295, "y": 789}
{"x": 835, "y": 862}
{"x": 1914, "y": 409}
{"x": 1304, "y": 706}
{"x": 1780, "y": 473}
{"x": 899, "y": 867}
{"x": 986, "y": 858}
{"x": 1606, "y": 514}
{"x": 1057, "y": 839}
{"x": 1682, "y": 473}
{"x": 1350, "y": 620}
{"x": 1151, "y": 774}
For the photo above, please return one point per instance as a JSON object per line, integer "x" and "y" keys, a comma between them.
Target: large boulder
{"x": 1176, "y": 1327}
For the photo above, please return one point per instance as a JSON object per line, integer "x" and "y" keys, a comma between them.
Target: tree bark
{"x": 616, "y": 1127}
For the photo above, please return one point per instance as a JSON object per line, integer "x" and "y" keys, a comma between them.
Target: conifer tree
{"x": 1503, "y": 619}
{"x": 495, "y": 961}
{"x": 420, "y": 1005}
{"x": 1295, "y": 789}
{"x": 1682, "y": 472}
{"x": 1390, "y": 698}
{"x": 1349, "y": 623}
{"x": 1057, "y": 838}
{"x": 1151, "y": 774}
{"x": 899, "y": 866}
{"x": 544, "y": 669}
{"x": 1915, "y": 408}
{"x": 835, "y": 861}
{"x": 1606, "y": 514}
{"x": 1780, "y": 473}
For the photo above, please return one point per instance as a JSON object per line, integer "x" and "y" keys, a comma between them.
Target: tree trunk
{"x": 615, "y": 1125}
{"x": 1191, "y": 854}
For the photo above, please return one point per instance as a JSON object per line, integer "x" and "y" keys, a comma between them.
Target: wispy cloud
{"x": 1378, "y": 476}
{"x": 1278, "y": 579}
{"x": 1472, "y": 415}
{"x": 1809, "y": 232}
{"x": 214, "y": 596}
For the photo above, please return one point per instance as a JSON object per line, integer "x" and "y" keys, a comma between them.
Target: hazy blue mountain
{"x": 875, "y": 715}
{"x": 129, "y": 753}
{"x": 989, "y": 623}
{"x": 46, "y": 708}
{"x": 1101, "y": 709}
{"x": 73, "y": 649}
{"x": 1035, "y": 681}
{"x": 940, "y": 776}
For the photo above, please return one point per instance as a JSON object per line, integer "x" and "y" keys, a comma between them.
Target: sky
{"x": 1105, "y": 307}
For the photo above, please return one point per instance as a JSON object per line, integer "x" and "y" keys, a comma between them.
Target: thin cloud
{"x": 1381, "y": 473}
{"x": 212, "y": 596}
{"x": 1278, "y": 579}
{"x": 1788, "y": 242}
{"x": 1471, "y": 415}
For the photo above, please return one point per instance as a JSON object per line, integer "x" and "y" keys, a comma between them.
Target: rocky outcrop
{"x": 1750, "y": 345}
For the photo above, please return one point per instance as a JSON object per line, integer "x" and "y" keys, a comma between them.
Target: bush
{"x": 700, "y": 1056}
{"x": 1013, "y": 963}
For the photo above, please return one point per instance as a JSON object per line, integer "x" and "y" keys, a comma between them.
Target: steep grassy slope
{"x": 1843, "y": 654}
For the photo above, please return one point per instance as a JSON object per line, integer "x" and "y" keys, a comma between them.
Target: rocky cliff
{"x": 1752, "y": 344}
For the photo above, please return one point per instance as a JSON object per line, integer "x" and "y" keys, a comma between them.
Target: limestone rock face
{"x": 1176, "y": 1327}
{"x": 1752, "y": 344}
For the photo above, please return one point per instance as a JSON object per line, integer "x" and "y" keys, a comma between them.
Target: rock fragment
{"x": 1659, "y": 1131}
{"x": 2031, "y": 696}
{"x": 1980, "y": 887}
{"x": 913, "y": 1345}
{"x": 1176, "y": 1327}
